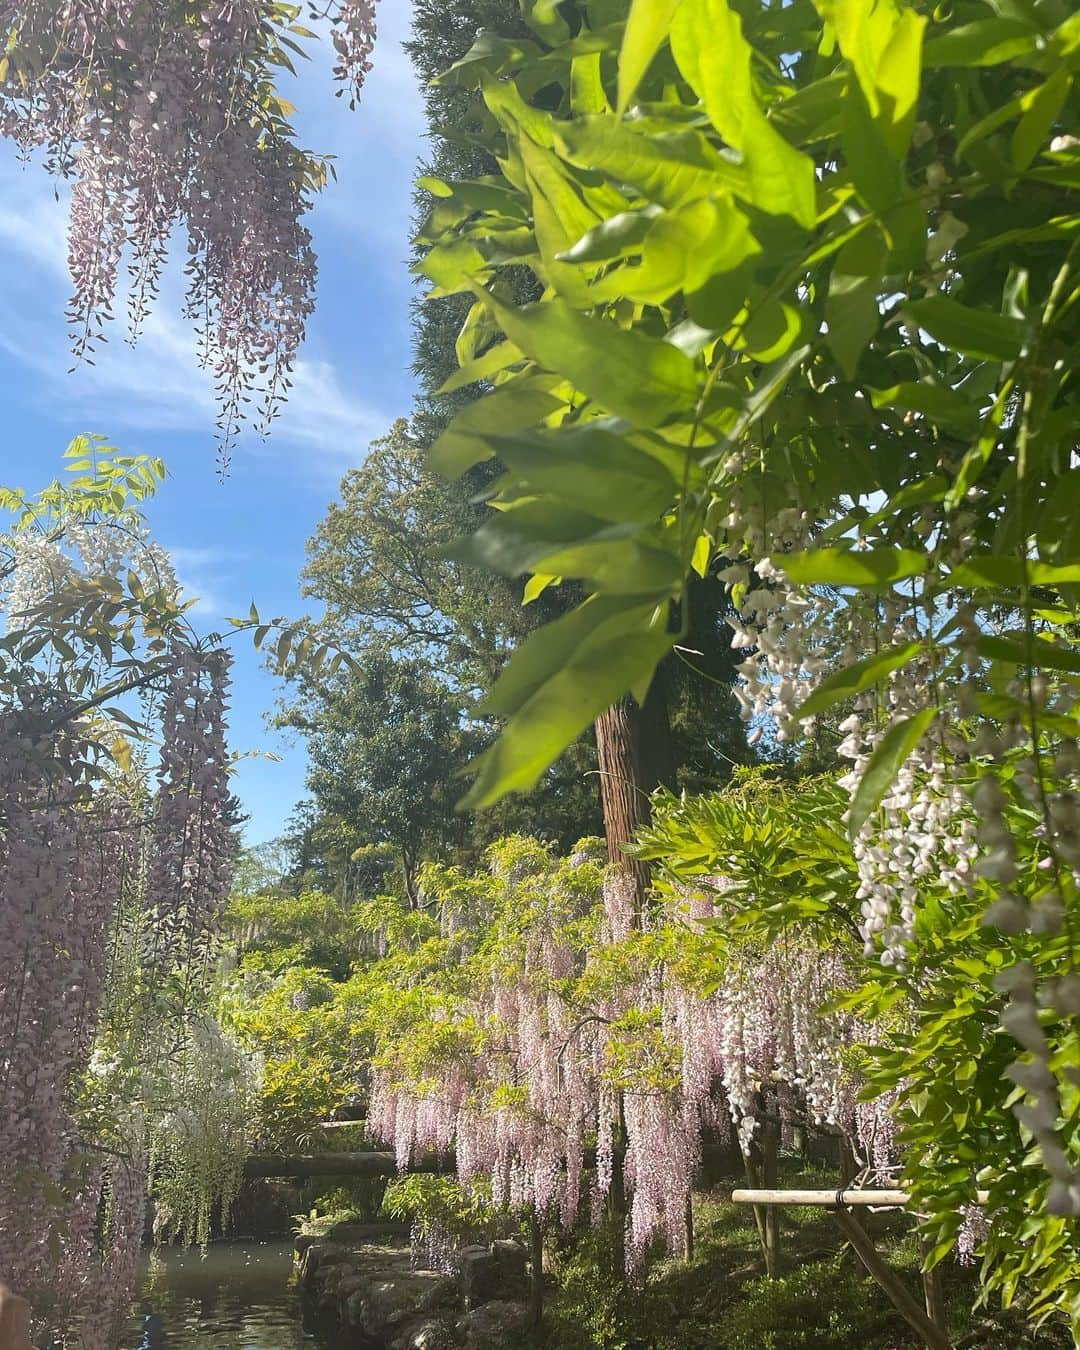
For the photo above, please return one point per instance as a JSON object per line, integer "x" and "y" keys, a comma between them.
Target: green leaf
{"x": 594, "y": 469}
{"x": 1013, "y": 647}
{"x": 521, "y": 403}
{"x": 615, "y": 649}
{"x": 715, "y": 58}
{"x": 702, "y": 554}
{"x": 1005, "y": 708}
{"x": 975, "y": 332}
{"x": 543, "y": 17}
{"x": 628, "y": 373}
{"x": 546, "y": 649}
{"x": 851, "y": 309}
{"x": 883, "y": 44}
{"x": 668, "y": 169}
{"x": 935, "y": 401}
{"x": 858, "y": 676}
{"x": 771, "y": 329}
{"x": 587, "y": 94}
{"x": 885, "y": 763}
{"x": 1040, "y": 113}
{"x": 560, "y": 217}
{"x": 852, "y": 567}
{"x": 537, "y": 585}
{"x": 985, "y": 42}
{"x": 450, "y": 267}
{"x": 541, "y": 535}
{"x": 683, "y": 250}
{"x": 1010, "y": 571}
{"x": 495, "y": 359}
{"x": 647, "y": 27}
{"x": 489, "y": 54}
{"x": 615, "y": 237}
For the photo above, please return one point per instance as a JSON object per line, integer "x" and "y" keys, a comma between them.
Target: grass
{"x": 823, "y": 1299}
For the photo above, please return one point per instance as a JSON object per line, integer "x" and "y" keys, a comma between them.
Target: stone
{"x": 426, "y": 1334}
{"x": 354, "y": 1309}
{"x": 495, "y": 1272}
{"x": 356, "y": 1234}
{"x": 499, "y": 1325}
{"x": 318, "y": 1255}
{"x": 329, "y": 1273}
{"x": 399, "y": 1297}
{"x": 511, "y": 1263}
{"x": 349, "y": 1285}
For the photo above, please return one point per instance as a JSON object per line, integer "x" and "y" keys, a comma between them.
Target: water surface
{"x": 238, "y": 1296}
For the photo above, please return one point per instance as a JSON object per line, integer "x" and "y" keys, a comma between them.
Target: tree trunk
{"x": 635, "y": 755}
{"x": 536, "y": 1270}
{"x": 408, "y": 870}
{"x": 623, "y": 796}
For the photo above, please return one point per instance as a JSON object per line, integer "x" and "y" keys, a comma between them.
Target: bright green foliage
{"x": 781, "y": 846}
{"x": 934, "y": 1034}
{"x": 383, "y": 744}
{"x": 438, "y": 1208}
{"x": 747, "y": 255}
{"x": 295, "y": 954}
{"x": 88, "y": 637}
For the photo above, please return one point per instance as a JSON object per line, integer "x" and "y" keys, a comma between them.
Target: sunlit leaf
{"x": 885, "y": 763}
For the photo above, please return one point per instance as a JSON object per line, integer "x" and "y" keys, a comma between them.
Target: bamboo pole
{"x": 908, "y": 1308}
{"x": 840, "y": 1198}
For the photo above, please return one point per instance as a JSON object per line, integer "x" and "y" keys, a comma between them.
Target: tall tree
{"x": 383, "y": 744}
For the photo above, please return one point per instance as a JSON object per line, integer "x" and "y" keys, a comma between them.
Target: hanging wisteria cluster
{"x": 109, "y": 891}
{"x": 164, "y": 114}
{"x": 195, "y": 813}
{"x": 567, "y": 1058}
{"x": 981, "y": 793}
{"x": 199, "y": 1146}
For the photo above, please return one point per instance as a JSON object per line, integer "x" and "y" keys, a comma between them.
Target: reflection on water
{"x": 239, "y": 1296}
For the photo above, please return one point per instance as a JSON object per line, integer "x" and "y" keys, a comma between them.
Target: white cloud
{"x": 157, "y": 384}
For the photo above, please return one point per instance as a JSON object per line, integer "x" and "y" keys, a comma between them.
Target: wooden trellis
{"x": 928, "y": 1322}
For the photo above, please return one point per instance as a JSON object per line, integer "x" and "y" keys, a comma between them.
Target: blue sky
{"x": 243, "y": 539}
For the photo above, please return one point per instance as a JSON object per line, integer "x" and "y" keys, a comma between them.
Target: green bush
{"x": 820, "y": 1305}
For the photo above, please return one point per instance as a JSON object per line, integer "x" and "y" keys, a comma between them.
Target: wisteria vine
{"x": 569, "y": 1054}
{"x": 160, "y": 114}
{"x": 110, "y": 889}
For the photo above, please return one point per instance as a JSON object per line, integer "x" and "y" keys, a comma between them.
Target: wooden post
{"x": 536, "y": 1273}
{"x": 933, "y": 1293}
{"x": 770, "y": 1141}
{"x": 14, "y": 1321}
{"x": 688, "y": 1235}
{"x": 890, "y": 1282}
{"x": 755, "y": 1190}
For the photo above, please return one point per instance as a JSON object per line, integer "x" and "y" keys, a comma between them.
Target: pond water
{"x": 238, "y": 1296}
